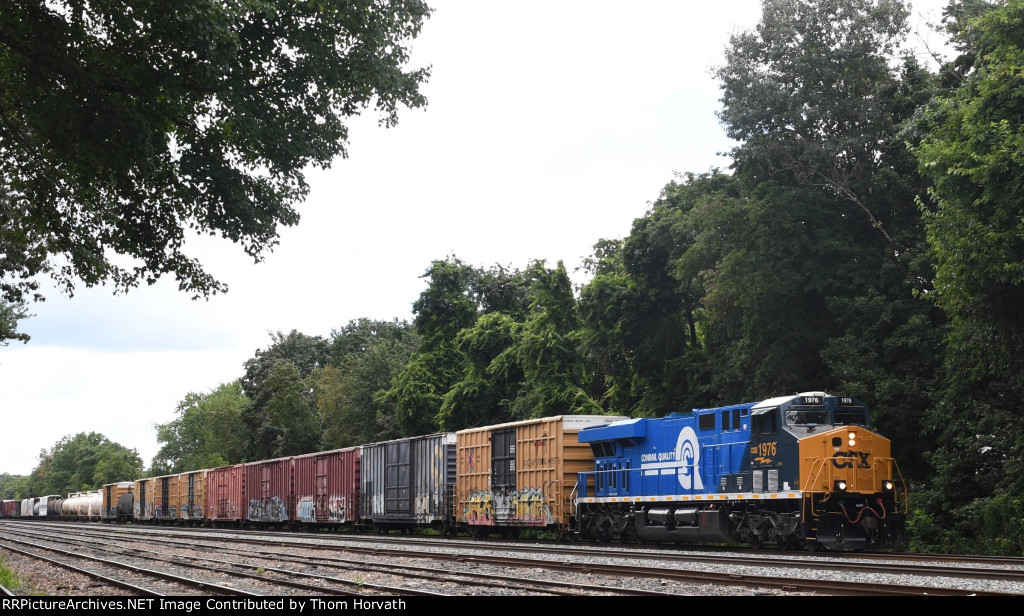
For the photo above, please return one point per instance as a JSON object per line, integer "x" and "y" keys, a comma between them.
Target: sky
{"x": 548, "y": 127}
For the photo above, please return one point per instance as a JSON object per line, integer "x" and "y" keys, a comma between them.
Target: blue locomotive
{"x": 804, "y": 470}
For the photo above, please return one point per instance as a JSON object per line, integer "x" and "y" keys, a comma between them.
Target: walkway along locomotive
{"x": 795, "y": 471}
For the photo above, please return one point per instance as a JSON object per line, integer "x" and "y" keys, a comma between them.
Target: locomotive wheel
{"x": 784, "y": 542}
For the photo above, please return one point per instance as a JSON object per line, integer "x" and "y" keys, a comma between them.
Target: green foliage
{"x": 10, "y": 315}
{"x": 263, "y": 433}
{"x": 364, "y": 357}
{"x": 8, "y": 579}
{"x": 290, "y": 412}
{"x": 814, "y": 93}
{"x": 84, "y": 461}
{"x": 13, "y": 487}
{"x": 126, "y": 124}
{"x": 207, "y": 432}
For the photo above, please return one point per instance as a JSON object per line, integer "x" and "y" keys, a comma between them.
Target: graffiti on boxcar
{"x": 481, "y": 508}
{"x": 272, "y": 510}
{"x": 530, "y": 508}
{"x": 525, "y": 507}
{"x": 306, "y": 511}
{"x": 336, "y": 509}
{"x": 195, "y": 512}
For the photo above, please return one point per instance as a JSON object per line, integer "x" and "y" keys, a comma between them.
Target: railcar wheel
{"x": 784, "y": 542}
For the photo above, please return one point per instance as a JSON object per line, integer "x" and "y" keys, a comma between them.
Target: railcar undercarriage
{"x": 780, "y": 526}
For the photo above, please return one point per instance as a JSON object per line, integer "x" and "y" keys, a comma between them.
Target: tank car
{"x": 804, "y": 470}
{"x": 521, "y": 474}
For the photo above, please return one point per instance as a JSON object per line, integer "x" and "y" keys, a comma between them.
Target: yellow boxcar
{"x": 155, "y": 498}
{"x": 116, "y": 507}
{"x": 190, "y": 499}
{"x": 521, "y": 474}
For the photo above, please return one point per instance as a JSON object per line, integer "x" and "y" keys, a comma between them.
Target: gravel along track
{"x": 368, "y": 566}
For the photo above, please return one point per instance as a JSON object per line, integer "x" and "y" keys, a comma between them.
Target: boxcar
{"x": 10, "y": 509}
{"x": 326, "y": 487}
{"x": 268, "y": 488}
{"x": 155, "y": 498}
{"x": 190, "y": 499}
{"x": 114, "y": 506}
{"x": 522, "y": 474}
{"x": 225, "y": 494}
{"x": 408, "y": 482}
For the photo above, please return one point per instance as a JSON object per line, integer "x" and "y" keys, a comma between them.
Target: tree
{"x": 364, "y": 356}
{"x": 305, "y": 354}
{"x": 84, "y": 461}
{"x": 972, "y": 152}
{"x": 125, "y": 125}
{"x": 207, "y": 433}
{"x": 291, "y": 416}
{"x": 448, "y": 305}
{"x": 816, "y": 98}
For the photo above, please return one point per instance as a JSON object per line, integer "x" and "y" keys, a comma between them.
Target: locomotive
{"x": 804, "y": 470}
{"x": 795, "y": 471}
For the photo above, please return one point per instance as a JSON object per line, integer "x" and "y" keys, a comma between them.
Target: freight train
{"x": 798, "y": 471}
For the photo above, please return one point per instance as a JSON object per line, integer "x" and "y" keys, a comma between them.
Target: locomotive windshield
{"x": 812, "y": 416}
{"x": 806, "y": 416}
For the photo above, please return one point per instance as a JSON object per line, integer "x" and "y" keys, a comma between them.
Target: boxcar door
{"x": 397, "y": 477}
{"x": 321, "y": 499}
{"x": 503, "y": 472}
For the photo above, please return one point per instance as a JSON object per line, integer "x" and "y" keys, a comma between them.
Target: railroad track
{"x": 399, "y": 565}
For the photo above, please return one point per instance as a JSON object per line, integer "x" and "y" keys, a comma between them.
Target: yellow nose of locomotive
{"x": 846, "y": 459}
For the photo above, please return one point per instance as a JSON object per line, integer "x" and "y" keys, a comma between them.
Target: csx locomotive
{"x": 795, "y": 471}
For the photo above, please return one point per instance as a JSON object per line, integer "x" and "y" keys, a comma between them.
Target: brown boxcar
{"x": 327, "y": 487}
{"x": 225, "y": 494}
{"x": 268, "y": 489}
{"x": 10, "y": 509}
{"x": 407, "y": 483}
{"x": 112, "y": 494}
{"x": 522, "y": 474}
{"x": 155, "y": 499}
{"x": 191, "y": 497}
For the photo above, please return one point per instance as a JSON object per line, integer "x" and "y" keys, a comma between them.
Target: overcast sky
{"x": 550, "y": 125}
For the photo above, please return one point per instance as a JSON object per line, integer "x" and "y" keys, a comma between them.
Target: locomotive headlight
{"x": 888, "y": 485}
{"x": 840, "y": 485}
{"x": 852, "y": 436}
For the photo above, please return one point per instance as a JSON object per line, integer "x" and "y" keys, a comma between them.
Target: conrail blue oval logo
{"x": 688, "y": 452}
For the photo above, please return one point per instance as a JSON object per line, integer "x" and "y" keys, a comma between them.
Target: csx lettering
{"x": 860, "y": 458}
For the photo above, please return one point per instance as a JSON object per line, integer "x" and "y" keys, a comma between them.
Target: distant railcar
{"x": 268, "y": 490}
{"x": 225, "y": 495}
{"x": 190, "y": 499}
{"x": 155, "y": 498}
{"x": 115, "y": 507}
{"x": 326, "y": 487}
{"x": 10, "y": 509}
{"x": 111, "y": 509}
